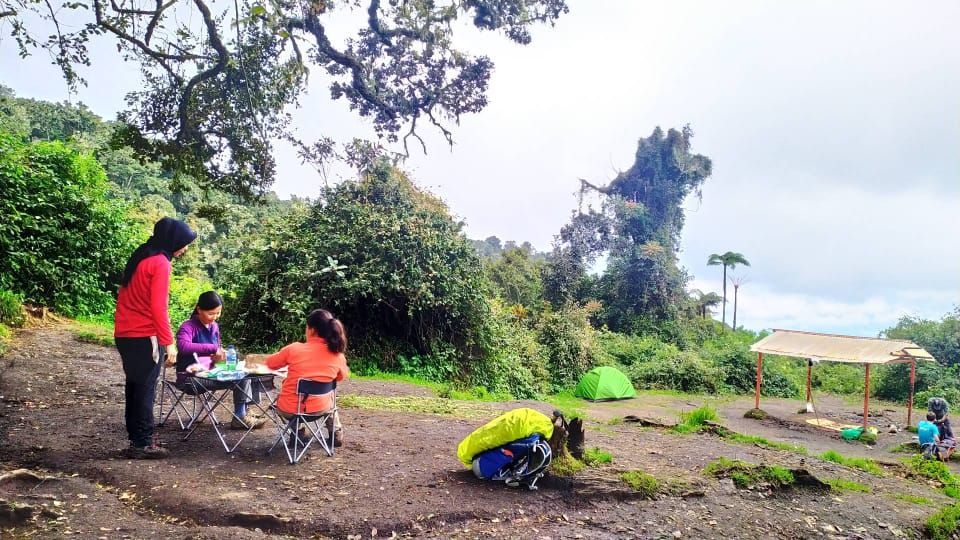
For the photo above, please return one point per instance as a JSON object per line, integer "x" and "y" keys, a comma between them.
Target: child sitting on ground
{"x": 321, "y": 359}
{"x": 929, "y": 436}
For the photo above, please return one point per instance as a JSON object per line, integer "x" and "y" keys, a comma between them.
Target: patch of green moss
{"x": 595, "y": 457}
{"x": 755, "y": 414}
{"x": 745, "y": 474}
{"x": 566, "y": 465}
{"x": 647, "y": 485}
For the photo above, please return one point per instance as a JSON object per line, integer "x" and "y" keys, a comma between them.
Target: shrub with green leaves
{"x": 568, "y": 342}
{"x": 685, "y": 371}
{"x": 943, "y": 525}
{"x": 64, "y": 238}
{"x": 390, "y": 261}
{"x": 11, "y": 311}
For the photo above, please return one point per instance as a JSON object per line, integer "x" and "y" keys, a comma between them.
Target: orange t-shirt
{"x": 310, "y": 360}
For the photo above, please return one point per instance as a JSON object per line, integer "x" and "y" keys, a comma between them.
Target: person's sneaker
{"x": 249, "y": 422}
{"x": 146, "y": 452}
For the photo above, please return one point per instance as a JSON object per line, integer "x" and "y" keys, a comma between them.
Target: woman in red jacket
{"x": 142, "y": 328}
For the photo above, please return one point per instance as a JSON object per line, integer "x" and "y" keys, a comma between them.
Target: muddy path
{"x": 61, "y": 414}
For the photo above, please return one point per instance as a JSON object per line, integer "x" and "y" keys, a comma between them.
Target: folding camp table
{"x": 212, "y": 394}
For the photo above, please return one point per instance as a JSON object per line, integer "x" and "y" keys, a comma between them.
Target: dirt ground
{"x": 61, "y": 416}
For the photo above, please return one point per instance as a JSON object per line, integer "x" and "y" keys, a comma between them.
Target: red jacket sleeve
{"x": 278, "y": 359}
{"x": 159, "y": 298}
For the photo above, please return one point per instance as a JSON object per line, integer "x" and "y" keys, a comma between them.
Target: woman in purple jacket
{"x": 198, "y": 341}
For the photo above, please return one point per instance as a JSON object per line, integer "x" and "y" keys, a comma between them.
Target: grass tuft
{"x": 595, "y": 457}
{"x": 936, "y": 470}
{"x": 840, "y": 484}
{"x": 914, "y": 499}
{"x": 943, "y": 524}
{"x": 760, "y": 441}
{"x": 864, "y": 464}
{"x": 693, "y": 421}
{"x": 647, "y": 485}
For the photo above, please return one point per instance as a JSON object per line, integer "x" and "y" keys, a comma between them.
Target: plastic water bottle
{"x": 231, "y": 358}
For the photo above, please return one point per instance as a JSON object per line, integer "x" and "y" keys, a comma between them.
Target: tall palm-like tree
{"x": 730, "y": 260}
{"x": 737, "y": 282}
{"x": 705, "y": 302}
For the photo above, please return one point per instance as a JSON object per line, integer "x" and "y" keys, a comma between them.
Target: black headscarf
{"x": 169, "y": 235}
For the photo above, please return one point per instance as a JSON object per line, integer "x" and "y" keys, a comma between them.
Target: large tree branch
{"x": 584, "y": 185}
{"x": 222, "y": 56}
{"x": 160, "y": 57}
{"x": 384, "y": 34}
{"x": 312, "y": 24}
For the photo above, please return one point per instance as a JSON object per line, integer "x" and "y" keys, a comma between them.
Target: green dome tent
{"x": 604, "y": 382}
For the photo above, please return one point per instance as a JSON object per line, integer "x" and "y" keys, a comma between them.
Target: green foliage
{"x": 514, "y": 276}
{"x": 514, "y": 361}
{"x": 411, "y": 292}
{"x": 745, "y": 475}
{"x": 863, "y": 464}
{"x": 939, "y": 338}
{"x": 842, "y": 484}
{"x": 595, "y": 456}
{"x": 184, "y": 291}
{"x": 11, "y": 308}
{"x": 647, "y": 485}
{"x": 639, "y": 227}
{"x": 568, "y": 343}
{"x": 684, "y": 371}
{"x": 566, "y": 465}
{"x": 943, "y": 524}
{"x": 913, "y": 499}
{"x": 64, "y": 238}
{"x": 760, "y": 441}
{"x": 694, "y": 420}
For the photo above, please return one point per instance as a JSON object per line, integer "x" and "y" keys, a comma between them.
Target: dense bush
{"x": 383, "y": 255}
{"x": 569, "y": 343}
{"x": 686, "y": 372}
{"x": 11, "y": 311}
{"x": 64, "y": 239}
{"x": 511, "y": 360}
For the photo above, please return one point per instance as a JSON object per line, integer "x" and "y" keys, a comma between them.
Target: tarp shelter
{"x": 604, "y": 382}
{"x": 848, "y": 349}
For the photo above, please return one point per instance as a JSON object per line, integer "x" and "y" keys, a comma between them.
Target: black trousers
{"x": 142, "y": 359}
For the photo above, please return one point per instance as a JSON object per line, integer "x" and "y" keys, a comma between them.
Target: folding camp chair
{"x": 288, "y": 432}
{"x": 179, "y": 395}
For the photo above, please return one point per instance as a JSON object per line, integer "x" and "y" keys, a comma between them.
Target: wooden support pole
{"x": 913, "y": 382}
{"x": 809, "y": 390}
{"x": 756, "y": 404}
{"x": 866, "y": 397}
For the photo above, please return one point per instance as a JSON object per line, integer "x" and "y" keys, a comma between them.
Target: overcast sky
{"x": 834, "y": 130}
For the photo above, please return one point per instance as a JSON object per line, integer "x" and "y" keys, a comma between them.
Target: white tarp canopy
{"x": 835, "y": 348}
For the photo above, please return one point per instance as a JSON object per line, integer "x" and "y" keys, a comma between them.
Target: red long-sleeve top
{"x": 142, "y": 303}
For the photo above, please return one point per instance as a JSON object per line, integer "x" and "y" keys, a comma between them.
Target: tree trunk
{"x": 724, "y": 316}
{"x": 736, "y": 289}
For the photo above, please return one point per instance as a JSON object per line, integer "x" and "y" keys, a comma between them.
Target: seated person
{"x": 321, "y": 359}
{"x": 198, "y": 342}
{"x": 929, "y": 436}
{"x": 947, "y": 442}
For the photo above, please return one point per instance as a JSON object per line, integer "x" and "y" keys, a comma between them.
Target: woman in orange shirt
{"x": 321, "y": 359}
